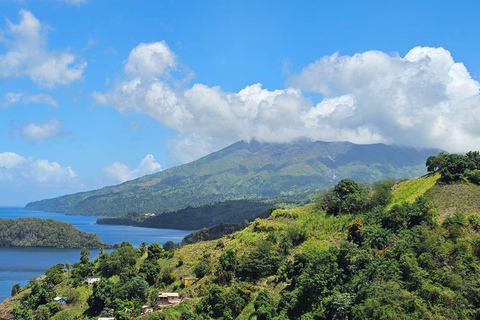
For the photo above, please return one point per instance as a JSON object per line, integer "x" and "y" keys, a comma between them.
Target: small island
{"x": 36, "y": 232}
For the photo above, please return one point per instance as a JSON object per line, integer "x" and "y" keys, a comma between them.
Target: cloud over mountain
{"x": 424, "y": 99}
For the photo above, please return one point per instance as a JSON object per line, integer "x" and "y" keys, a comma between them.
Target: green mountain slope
{"x": 406, "y": 261}
{"x": 246, "y": 170}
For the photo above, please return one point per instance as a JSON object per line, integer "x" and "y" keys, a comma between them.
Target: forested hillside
{"x": 246, "y": 170}
{"x": 190, "y": 218}
{"x": 359, "y": 252}
{"x": 34, "y": 232}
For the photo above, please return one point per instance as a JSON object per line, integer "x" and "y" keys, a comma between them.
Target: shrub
{"x": 201, "y": 269}
{"x": 346, "y": 197}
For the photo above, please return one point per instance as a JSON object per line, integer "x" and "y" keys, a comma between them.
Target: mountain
{"x": 246, "y": 170}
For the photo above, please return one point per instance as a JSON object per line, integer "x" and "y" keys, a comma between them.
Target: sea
{"x": 19, "y": 264}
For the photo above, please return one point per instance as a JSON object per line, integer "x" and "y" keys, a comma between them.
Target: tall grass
{"x": 408, "y": 191}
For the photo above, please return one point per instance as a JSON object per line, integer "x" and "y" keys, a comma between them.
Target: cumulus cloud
{"x": 17, "y": 170}
{"x": 118, "y": 172}
{"x": 12, "y": 98}
{"x": 150, "y": 60}
{"x": 41, "y": 131}
{"x": 424, "y": 99}
{"x": 10, "y": 160}
{"x": 27, "y": 55}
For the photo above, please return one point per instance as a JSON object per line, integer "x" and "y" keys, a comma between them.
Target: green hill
{"x": 355, "y": 254}
{"x": 246, "y": 170}
{"x": 34, "y": 232}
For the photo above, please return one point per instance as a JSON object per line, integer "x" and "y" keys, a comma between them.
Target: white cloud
{"x": 12, "y": 98}
{"x": 27, "y": 55}
{"x": 10, "y": 160}
{"x": 150, "y": 60}
{"x": 424, "y": 99}
{"x": 16, "y": 170}
{"x": 118, "y": 172}
{"x": 41, "y": 131}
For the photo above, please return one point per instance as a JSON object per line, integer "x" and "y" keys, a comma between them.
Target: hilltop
{"x": 384, "y": 251}
{"x": 35, "y": 232}
{"x": 246, "y": 170}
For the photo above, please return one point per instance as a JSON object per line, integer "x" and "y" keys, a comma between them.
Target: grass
{"x": 450, "y": 198}
{"x": 408, "y": 191}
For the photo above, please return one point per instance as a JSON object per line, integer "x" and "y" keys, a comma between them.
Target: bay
{"x": 18, "y": 264}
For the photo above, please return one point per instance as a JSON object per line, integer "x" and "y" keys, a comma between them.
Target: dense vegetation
{"x": 246, "y": 170}
{"x": 34, "y": 232}
{"x": 233, "y": 211}
{"x": 359, "y": 252}
{"x": 456, "y": 167}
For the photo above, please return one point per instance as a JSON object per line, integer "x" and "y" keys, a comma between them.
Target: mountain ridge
{"x": 246, "y": 170}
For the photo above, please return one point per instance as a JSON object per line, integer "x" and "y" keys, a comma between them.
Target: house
{"x": 188, "y": 281}
{"x": 92, "y": 279}
{"x": 147, "y": 310}
{"x": 60, "y": 300}
{"x": 8, "y": 316}
{"x": 167, "y": 298}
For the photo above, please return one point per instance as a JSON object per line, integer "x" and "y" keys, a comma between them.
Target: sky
{"x": 95, "y": 93}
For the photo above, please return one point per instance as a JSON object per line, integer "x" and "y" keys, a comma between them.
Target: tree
{"x": 142, "y": 248}
{"x": 262, "y": 261}
{"x": 101, "y": 295}
{"x": 155, "y": 251}
{"x": 355, "y": 231}
{"x": 137, "y": 288}
{"x": 150, "y": 270}
{"x": 22, "y": 312}
{"x": 169, "y": 245}
{"x": 381, "y": 193}
{"x": 434, "y": 163}
{"x": 15, "y": 289}
{"x": 453, "y": 167}
{"x": 201, "y": 269}
{"x": 43, "y": 293}
{"x": 55, "y": 274}
{"x": 339, "y": 307}
{"x": 84, "y": 255}
{"x": 346, "y": 197}
{"x": 264, "y": 306}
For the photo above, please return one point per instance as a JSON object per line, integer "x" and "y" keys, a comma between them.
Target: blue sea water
{"x": 17, "y": 265}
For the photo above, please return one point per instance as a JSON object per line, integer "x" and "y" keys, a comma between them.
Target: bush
{"x": 346, "y": 197}
{"x": 473, "y": 176}
{"x": 262, "y": 261}
{"x": 201, "y": 269}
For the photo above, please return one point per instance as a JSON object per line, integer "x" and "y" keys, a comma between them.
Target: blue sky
{"x": 93, "y": 93}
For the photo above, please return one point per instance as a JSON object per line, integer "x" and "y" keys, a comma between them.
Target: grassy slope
{"x": 464, "y": 197}
{"x": 449, "y": 198}
{"x": 408, "y": 191}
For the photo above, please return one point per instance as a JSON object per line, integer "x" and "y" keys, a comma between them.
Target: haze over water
{"x": 17, "y": 265}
